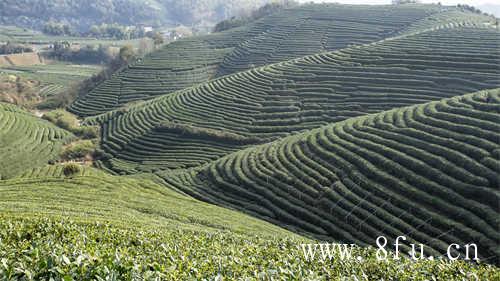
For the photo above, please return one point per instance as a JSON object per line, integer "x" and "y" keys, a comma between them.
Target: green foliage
{"x": 62, "y": 119}
{"x": 158, "y": 38}
{"x": 87, "y": 132}
{"x": 91, "y": 54}
{"x": 433, "y": 165}
{"x": 115, "y": 31}
{"x": 127, "y": 53}
{"x": 207, "y": 134}
{"x": 71, "y": 169}
{"x": 261, "y": 12}
{"x": 68, "y": 121}
{"x": 10, "y": 48}
{"x": 55, "y": 28}
{"x": 39, "y": 249}
{"x": 111, "y": 16}
{"x": 46, "y": 87}
{"x": 287, "y": 97}
{"x": 27, "y": 141}
{"x": 99, "y": 226}
{"x": 278, "y": 37}
{"x": 79, "y": 150}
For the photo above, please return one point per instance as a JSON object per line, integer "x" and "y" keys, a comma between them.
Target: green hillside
{"x": 94, "y": 196}
{"x": 200, "y": 124}
{"x": 27, "y": 141}
{"x": 96, "y": 226}
{"x": 249, "y": 154}
{"x": 292, "y": 33}
{"x": 429, "y": 172}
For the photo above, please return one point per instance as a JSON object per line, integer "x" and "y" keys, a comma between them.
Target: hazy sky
{"x": 444, "y": 2}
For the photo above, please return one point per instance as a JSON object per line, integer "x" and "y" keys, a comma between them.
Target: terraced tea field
{"x": 429, "y": 172}
{"x": 45, "y": 81}
{"x": 92, "y": 195}
{"x": 87, "y": 227}
{"x": 27, "y": 141}
{"x": 293, "y": 33}
{"x": 199, "y": 124}
{"x": 217, "y": 156}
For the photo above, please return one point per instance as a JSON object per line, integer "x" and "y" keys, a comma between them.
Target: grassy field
{"x": 262, "y": 104}
{"x": 293, "y": 33}
{"x": 94, "y": 226}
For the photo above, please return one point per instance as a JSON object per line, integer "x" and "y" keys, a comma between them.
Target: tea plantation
{"x": 216, "y": 156}
{"x": 27, "y": 141}
{"x": 99, "y": 227}
{"x": 199, "y": 124}
{"x": 293, "y": 33}
{"x": 428, "y": 171}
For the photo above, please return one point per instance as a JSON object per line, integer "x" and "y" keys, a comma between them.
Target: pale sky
{"x": 444, "y": 2}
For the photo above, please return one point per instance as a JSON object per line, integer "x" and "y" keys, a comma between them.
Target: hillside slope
{"x": 93, "y": 196}
{"x": 429, "y": 172}
{"x": 27, "y": 141}
{"x": 197, "y": 125}
{"x": 93, "y": 226}
{"x": 289, "y": 34}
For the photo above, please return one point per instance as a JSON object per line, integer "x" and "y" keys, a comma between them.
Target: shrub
{"x": 207, "y": 134}
{"x": 79, "y": 150}
{"x": 62, "y": 119}
{"x": 87, "y": 132}
{"x": 71, "y": 169}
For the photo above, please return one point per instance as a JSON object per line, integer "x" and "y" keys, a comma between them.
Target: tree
{"x": 127, "y": 53}
{"x": 158, "y": 39}
{"x": 10, "y": 48}
{"x": 55, "y": 28}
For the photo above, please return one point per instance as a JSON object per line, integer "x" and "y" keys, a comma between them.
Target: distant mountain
{"x": 82, "y": 14}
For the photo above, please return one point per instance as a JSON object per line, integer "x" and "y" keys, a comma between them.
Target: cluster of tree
{"x": 469, "y": 8}
{"x": 56, "y": 28}
{"x": 254, "y": 15}
{"x": 96, "y": 54}
{"x": 81, "y": 15}
{"x": 104, "y": 30}
{"x": 157, "y": 38}
{"x": 116, "y": 31}
{"x": 11, "y": 48}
